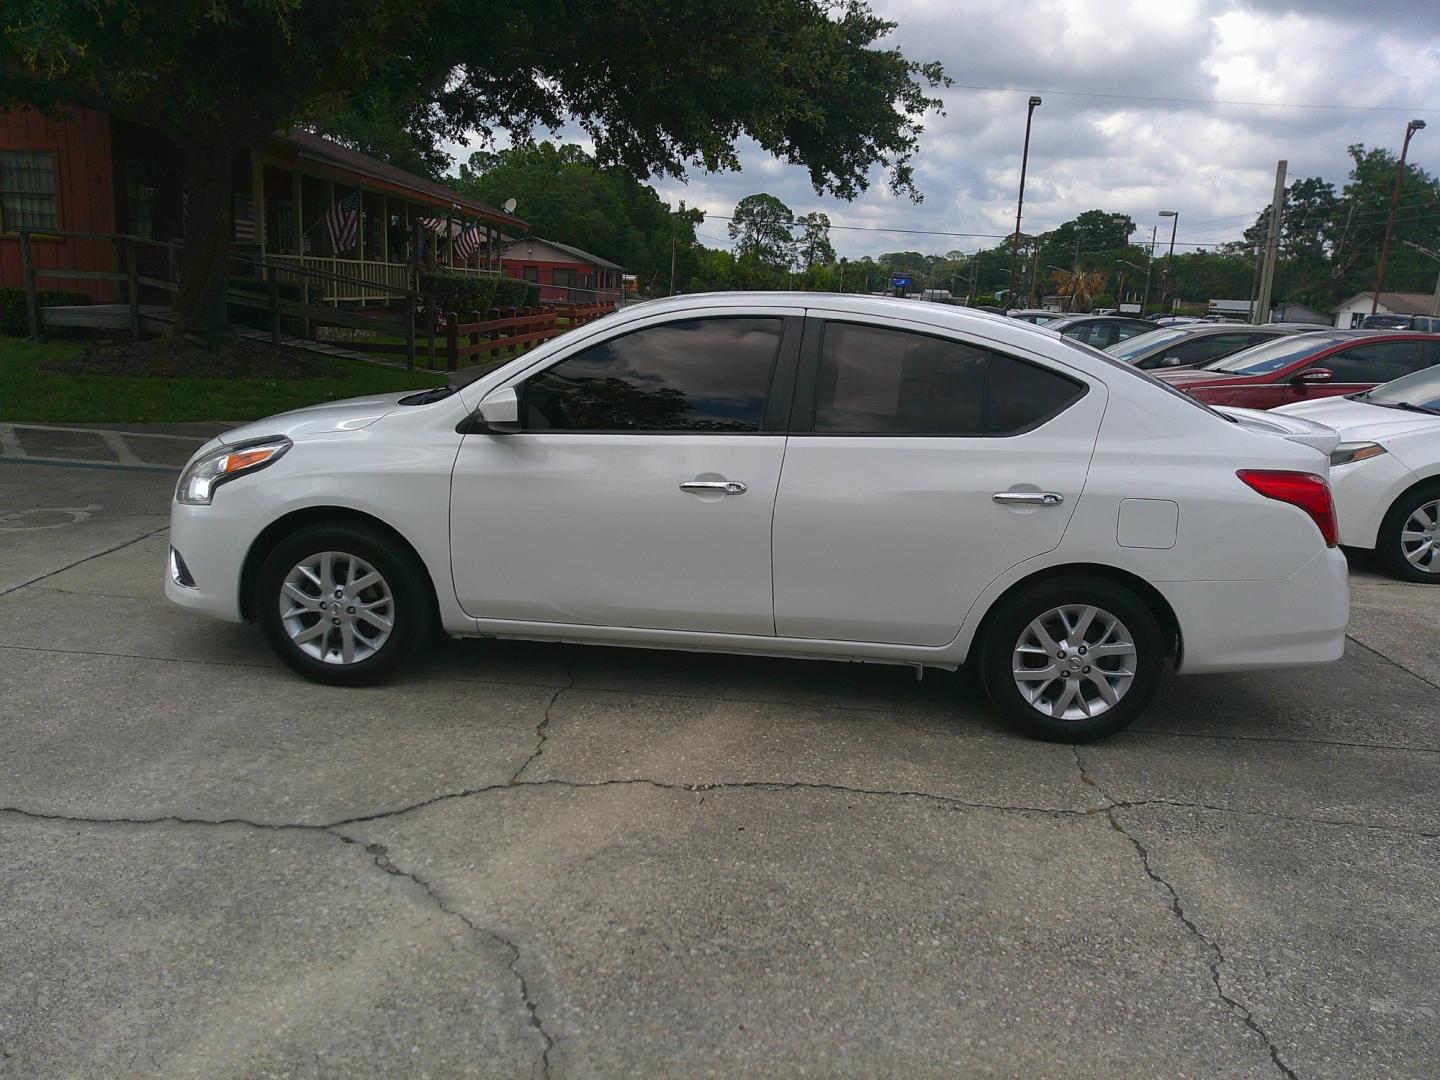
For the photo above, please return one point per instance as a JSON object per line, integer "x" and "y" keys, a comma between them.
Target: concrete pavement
{"x": 548, "y": 860}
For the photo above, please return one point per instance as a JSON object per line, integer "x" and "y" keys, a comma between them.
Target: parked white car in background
{"x": 1386, "y": 471}
{"x": 803, "y": 475}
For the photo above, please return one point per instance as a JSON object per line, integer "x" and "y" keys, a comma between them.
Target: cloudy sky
{"x": 1120, "y": 148}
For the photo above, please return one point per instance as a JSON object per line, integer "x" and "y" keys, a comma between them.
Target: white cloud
{"x": 1214, "y": 163}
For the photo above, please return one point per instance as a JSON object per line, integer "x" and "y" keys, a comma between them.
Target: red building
{"x": 84, "y": 171}
{"x": 565, "y": 274}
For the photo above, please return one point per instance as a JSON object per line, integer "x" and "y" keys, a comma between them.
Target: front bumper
{"x": 1248, "y": 625}
{"x": 212, "y": 542}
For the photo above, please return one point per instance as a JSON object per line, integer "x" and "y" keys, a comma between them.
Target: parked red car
{"x": 1307, "y": 366}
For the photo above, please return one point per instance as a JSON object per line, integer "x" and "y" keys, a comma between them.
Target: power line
{"x": 1202, "y": 101}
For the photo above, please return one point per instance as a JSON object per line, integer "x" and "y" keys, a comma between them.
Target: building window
{"x": 27, "y": 190}
{"x": 139, "y": 199}
{"x": 530, "y": 273}
{"x": 563, "y": 278}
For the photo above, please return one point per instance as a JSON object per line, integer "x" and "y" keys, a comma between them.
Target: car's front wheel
{"x": 343, "y": 604}
{"x": 1409, "y": 540}
{"x": 1072, "y": 659}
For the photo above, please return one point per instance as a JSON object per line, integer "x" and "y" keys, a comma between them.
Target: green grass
{"x": 28, "y": 392}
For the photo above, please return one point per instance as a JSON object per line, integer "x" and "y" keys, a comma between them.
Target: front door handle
{"x": 1036, "y": 498}
{"x": 715, "y": 487}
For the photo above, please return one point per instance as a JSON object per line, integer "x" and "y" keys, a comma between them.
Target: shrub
{"x": 12, "y": 307}
{"x": 464, "y": 293}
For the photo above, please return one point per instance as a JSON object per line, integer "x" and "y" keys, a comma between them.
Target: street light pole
{"x": 1169, "y": 259}
{"x": 1020, "y": 204}
{"x": 1410, "y": 129}
{"x": 1149, "y": 265}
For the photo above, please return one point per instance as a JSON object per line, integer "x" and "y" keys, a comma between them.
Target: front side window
{"x": 1374, "y": 362}
{"x": 878, "y": 381}
{"x": 27, "y": 190}
{"x": 694, "y": 375}
{"x": 1274, "y": 355}
{"x": 1097, "y": 335}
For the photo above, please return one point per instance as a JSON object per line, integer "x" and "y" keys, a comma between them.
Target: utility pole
{"x": 1149, "y": 266}
{"x": 672, "y": 256}
{"x": 1020, "y": 204}
{"x": 1255, "y": 286}
{"x": 1034, "y": 274}
{"x": 1272, "y": 247}
{"x": 1169, "y": 259}
{"x": 1410, "y": 129}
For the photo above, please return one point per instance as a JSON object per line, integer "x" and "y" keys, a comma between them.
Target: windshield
{"x": 1422, "y": 388}
{"x": 1142, "y": 343}
{"x": 465, "y": 376}
{"x": 1274, "y": 355}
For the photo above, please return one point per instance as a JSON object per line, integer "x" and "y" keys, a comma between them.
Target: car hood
{"x": 1196, "y": 376}
{"x": 351, "y": 414}
{"x": 1360, "y": 421}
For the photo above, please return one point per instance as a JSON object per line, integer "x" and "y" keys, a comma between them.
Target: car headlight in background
{"x": 200, "y": 479}
{"x": 1347, "y": 452}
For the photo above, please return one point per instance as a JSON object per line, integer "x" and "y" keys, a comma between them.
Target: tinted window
{"x": 695, "y": 375}
{"x": 1374, "y": 361}
{"x": 1126, "y": 330}
{"x": 876, "y": 381}
{"x": 1095, "y": 334}
{"x": 1144, "y": 342}
{"x": 1208, "y": 347}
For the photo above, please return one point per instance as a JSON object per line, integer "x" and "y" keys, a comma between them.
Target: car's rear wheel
{"x": 343, "y": 604}
{"x": 1409, "y": 540}
{"x": 1072, "y": 659}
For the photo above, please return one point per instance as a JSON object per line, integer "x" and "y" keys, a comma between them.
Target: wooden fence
{"x": 505, "y": 329}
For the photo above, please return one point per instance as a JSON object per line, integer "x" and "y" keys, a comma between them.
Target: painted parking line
{"x": 118, "y": 450}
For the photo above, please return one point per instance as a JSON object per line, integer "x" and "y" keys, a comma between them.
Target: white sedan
{"x": 802, "y": 475}
{"x": 1386, "y": 471}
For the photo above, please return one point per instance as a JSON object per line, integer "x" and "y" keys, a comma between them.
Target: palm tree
{"x": 1078, "y": 287}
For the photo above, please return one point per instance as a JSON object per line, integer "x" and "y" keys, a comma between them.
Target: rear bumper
{"x": 1249, "y": 625}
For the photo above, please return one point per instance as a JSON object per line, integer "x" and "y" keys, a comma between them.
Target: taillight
{"x": 1305, "y": 490}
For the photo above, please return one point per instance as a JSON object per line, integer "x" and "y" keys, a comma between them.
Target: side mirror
{"x": 1315, "y": 375}
{"x": 500, "y": 411}
{"x": 1170, "y": 361}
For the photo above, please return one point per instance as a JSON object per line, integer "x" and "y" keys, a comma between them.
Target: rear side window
{"x": 875, "y": 381}
{"x": 691, "y": 375}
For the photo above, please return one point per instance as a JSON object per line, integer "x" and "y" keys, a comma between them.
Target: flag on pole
{"x": 468, "y": 243}
{"x": 343, "y": 223}
{"x": 434, "y": 224}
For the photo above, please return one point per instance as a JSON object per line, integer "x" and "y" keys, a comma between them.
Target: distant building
{"x": 564, "y": 273}
{"x": 1234, "y": 309}
{"x": 1354, "y": 310}
{"x": 1298, "y": 313}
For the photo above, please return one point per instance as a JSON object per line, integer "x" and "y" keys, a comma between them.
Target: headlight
{"x": 200, "y": 479}
{"x": 1347, "y": 452}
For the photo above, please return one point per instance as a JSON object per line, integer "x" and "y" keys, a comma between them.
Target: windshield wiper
{"x": 1408, "y": 407}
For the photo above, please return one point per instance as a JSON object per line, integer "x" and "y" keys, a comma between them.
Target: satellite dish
{"x": 509, "y": 206}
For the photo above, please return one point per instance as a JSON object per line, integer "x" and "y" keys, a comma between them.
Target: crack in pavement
{"x": 542, "y": 732}
{"x": 1392, "y": 662}
{"x": 87, "y": 558}
{"x": 1177, "y": 908}
{"x": 381, "y": 857}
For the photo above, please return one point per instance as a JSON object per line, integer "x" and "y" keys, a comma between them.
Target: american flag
{"x": 468, "y": 243}
{"x": 434, "y": 224}
{"x": 343, "y": 223}
{"x": 244, "y": 219}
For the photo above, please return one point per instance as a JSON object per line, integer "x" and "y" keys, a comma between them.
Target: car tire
{"x": 321, "y": 625}
{"x": 1419, "y": 504}
{"x": 1113, "y": 656}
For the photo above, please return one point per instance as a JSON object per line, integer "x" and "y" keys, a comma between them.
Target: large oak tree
{"x": 658, "y": 87}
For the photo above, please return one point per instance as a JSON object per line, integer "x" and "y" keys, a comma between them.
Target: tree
{"x": 814, "y": 242}
{"x": 762, "y": 228}
{"x": 804, "y": 78}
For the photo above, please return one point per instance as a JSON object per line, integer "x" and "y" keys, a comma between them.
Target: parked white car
{"x": 1386, "y": 470}
{"x": 803, "y": 475}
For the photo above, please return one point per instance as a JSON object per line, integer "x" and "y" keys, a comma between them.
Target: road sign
{"x": 900, "y": 281}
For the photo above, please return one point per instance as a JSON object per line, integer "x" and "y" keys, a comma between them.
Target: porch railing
{"x": 357, "y": 279}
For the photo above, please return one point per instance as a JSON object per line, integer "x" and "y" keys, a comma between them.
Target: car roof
{"x": 1078, "y": 318}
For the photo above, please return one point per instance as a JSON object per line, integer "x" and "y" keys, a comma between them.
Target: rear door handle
{"x": 716, "y": 487}
{"x": 1036, "y": 498}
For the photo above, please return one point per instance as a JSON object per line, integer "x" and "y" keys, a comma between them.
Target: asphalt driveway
{"x": 547, "y": 860}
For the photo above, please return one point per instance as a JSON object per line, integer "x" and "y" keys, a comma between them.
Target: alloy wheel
{"x": 1420, "y": 537}
{"x": 336, "y": 608}
{"x": 1074, "y": 662}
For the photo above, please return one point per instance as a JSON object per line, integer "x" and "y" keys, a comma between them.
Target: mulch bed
{"x": 178, "y": 357}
